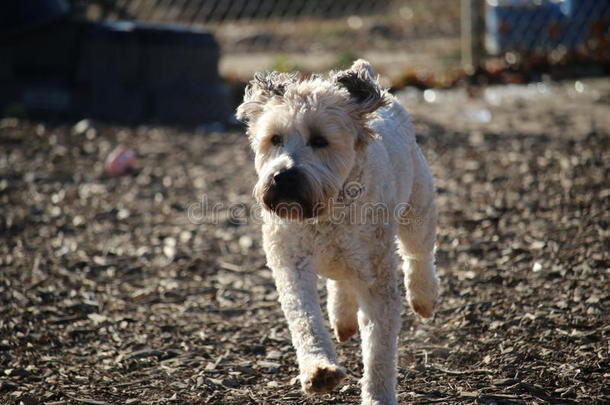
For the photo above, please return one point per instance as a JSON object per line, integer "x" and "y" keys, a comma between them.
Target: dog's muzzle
{"x": 286, "y": 195}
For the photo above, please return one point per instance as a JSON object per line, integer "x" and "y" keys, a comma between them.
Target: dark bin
{"x": 191, "y": 103}
{"x": 49, "y": 99}
{"x": 117, "y": 71}
{"x": 21, "y": 15}
{"x": 152, "y": 72}
{"x": 177, "y": 53}
{"x": 51, "y": 51}
{"x": 114, "y": 101}
{"x": 110, "y": 52}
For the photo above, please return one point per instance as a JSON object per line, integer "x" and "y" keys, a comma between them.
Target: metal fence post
{"x": 471, "y": 34}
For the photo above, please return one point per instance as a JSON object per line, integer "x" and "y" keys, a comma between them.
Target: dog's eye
{"x": 276, "y": 140}
{"x": 318, "y": 141}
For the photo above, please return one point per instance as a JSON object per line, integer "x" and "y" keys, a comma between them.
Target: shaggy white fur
{"x": 341, "y": 152}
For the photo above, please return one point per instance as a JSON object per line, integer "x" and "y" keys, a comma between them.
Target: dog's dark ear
{"x": 263, "y": 87}
{"x": 362, "y": 85}
{"x": 366, "y": 95}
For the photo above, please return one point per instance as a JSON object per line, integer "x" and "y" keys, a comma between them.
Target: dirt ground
{"x": 152, "y": 287}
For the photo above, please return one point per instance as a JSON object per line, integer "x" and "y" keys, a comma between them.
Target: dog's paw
{"x": 344, "y": 328}
{"x": 322, "y": 378}
{"x": 423, "y": 298}
{"x": 343, "y": 333}
{"x": 424, "y": 308}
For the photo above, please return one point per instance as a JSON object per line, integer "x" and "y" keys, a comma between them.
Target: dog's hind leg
{"x": 379, "y": 322}
{"x": 342, "y": 308}
{"x": 417, "y": 236}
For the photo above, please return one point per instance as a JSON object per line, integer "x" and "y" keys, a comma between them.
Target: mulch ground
{"x": 152, "y": 287}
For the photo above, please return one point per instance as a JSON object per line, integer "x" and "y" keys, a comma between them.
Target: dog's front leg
{"x": 295, "y": 279}
{"x": 379, "y": 322}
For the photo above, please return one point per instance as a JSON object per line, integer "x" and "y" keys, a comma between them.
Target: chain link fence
{"x": 556, "y": 31}
{"x": 206, "y": 11}
{"x": 295, "y": 25}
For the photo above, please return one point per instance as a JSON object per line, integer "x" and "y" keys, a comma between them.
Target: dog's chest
{"x": 335, "y": 253}
{"x": 333, "y": 264}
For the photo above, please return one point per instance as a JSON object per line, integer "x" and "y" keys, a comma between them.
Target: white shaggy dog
{"x": 347, "y": 193}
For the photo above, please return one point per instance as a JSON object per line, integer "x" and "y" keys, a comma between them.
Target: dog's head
{"x": 306, "y": 135}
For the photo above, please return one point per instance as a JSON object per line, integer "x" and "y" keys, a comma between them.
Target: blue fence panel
{"x": 545, "y": 25}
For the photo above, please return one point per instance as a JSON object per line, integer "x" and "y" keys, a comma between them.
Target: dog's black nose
{"x": 285, "y": 177}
